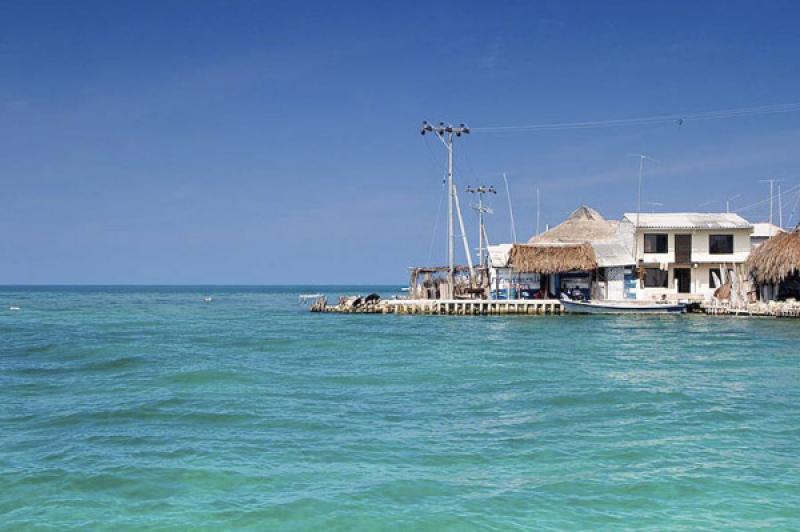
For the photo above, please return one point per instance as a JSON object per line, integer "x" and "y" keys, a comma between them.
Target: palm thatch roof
{"x": 583, "y": 225}
{"x": 612, "y": 241}
{"x": 548, "y": 259}
{"x": 777, "y": 258}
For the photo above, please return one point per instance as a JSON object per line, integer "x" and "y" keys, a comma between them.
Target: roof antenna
{"x": 510, "y": 211}
{"x": 729, "y": 200}
{"x": 641, "y": 157}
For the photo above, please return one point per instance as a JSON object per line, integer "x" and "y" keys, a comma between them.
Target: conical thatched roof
{"x": 549, "y": 259}
{"x": 583, "y": 225}
{"x": 777, "y": 258}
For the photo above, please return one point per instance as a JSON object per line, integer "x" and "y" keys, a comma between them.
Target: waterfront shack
{"x": 432, "y": 283}
{"x": 775, "y": 267}
{"x": 531, "y": 271}
{"x": 611, "y": 243}
{"x": 585, "y": 254}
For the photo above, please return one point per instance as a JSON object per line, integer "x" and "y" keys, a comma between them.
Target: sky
{"x": 251, "y": 142}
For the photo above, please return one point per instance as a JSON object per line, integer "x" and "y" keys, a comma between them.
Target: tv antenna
{"x": 653, "y": 205}
{"x": 642, "y": 157}
{"x": 729, "y": 200}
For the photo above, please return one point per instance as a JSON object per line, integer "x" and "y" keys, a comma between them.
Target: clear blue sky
{"x": 277, "y": 142}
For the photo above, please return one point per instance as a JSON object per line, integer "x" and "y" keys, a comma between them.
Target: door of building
{"x": 683, "y": 249}
{"x": 683, "y": 277}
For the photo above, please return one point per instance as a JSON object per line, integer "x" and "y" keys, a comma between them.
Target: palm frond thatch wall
{"x": 777, "y": 258}
{"x": 552, "y": 259}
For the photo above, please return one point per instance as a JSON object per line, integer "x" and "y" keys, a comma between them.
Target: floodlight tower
{"x": 445, "y": 134}
{"x": 480, "y": 190}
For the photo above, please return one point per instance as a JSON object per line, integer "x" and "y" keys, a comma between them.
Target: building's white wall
{"x": 700, "y": 284}
{"x": 700, "y": 252}
{"x": 615, "y": 283}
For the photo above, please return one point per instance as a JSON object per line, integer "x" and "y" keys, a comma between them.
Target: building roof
{"x": 765, "y": 230}
{"x": 610, "y": 240}
{"x": 688, "y": 220}
{"x": 552, "y": 258}
{"x": 583, "y": 225}
{"x": 777, "y": 258}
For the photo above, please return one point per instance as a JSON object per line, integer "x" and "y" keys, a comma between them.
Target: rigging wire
{"x": 678, "y": 119}
{"x": 794, "y": 209}
{"x": 436, "y": 221}
{"x": 765, "y": 201}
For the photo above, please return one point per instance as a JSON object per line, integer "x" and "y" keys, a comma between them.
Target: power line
{"x": 678, "y": 119}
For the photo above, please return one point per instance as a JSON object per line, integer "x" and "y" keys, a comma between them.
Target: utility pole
{"x": 480, "y": 191}
{"x": 445, "y": 134}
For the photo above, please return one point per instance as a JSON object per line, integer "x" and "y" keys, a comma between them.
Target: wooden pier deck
{"x": 453, "y": 307}
{"x": 779, "y": 310}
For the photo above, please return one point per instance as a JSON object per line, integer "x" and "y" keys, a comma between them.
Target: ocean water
{"x": 148, "y": 408}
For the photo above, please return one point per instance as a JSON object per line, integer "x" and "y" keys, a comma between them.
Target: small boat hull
{"x": 621, "y": 307}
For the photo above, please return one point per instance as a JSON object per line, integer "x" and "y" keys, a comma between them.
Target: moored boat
{"x": 621, "y": 307}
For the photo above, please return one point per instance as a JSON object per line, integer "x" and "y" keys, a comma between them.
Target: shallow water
{"x": 145, "y": 407}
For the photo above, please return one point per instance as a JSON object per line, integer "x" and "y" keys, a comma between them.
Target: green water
{"x": 147, "y": 408}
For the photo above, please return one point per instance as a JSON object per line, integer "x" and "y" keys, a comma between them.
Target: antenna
{"x": 642, "y": 158}
{"x": 538, "y": 209}
{"x": 510, "y": 211}
{"x": 771, "y": 185}
{"x": 480, "y": 190}
{"x": 729, "y": 200}
{"x": 653, "y": 205}
{"x": 445, "y": 134}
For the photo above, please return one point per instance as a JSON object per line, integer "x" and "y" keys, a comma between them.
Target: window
{"x": 655, "y": 278}
{"x": 720, "y": 244}
{"x": 655, "y": 243}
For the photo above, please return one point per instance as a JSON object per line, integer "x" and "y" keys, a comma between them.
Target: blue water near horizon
{"x": 148, "y": 408}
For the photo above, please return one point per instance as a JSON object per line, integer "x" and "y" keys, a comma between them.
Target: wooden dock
{"x": 452, "y": 307}
{"x": 776, "y": 310}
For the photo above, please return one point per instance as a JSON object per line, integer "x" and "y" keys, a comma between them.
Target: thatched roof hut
{"x": 548, "y": 259}
{"x": 776, "y": 259}
{"x": 583, "y": 225}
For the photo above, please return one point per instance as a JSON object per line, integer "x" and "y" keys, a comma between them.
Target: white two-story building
{"x": 685, "y": 255}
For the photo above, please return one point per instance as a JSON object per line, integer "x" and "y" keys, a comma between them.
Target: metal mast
{"x": 771, "y": 194}
{"x": 445, "y": 134}
{"x": 480, "y": 191}
{"x": 510, "y": 211}
{"x": 641, "y": 157}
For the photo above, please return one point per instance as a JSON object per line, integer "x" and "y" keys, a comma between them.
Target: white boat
{"x": 621, "y": 307}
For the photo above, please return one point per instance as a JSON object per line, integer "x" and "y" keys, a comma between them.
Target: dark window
{"x": 655, "y": 278}
{"x": 655, "y": 243}
{"x": 720, "y": 244}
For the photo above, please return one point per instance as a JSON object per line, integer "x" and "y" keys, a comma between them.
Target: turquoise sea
{"x": 127, "y": 408}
